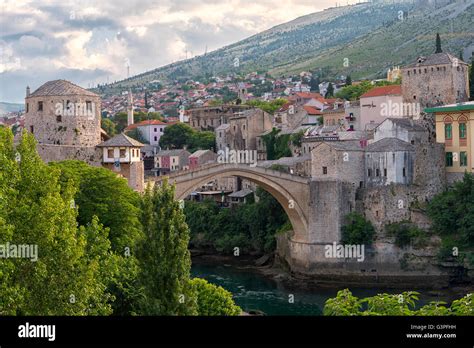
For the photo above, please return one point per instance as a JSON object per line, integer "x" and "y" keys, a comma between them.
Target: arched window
{"x": 448, "y": 131}
{"x": 462, "y": 130}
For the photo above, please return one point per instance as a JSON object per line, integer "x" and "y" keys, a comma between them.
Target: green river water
{"x": 255, "y": 292}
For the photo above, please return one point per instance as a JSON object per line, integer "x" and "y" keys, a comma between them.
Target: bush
{"x": 405, "y": 233}
{"x": 345, "y": 304}
{"x": 357, "y": 230}
{"x": 213, "y": 300}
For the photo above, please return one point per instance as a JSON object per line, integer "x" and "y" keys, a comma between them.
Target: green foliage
{"x": 357, "y": 230}
{"x": 471, "y": 78}
{"x": 179, "y": 135}
{"x": 330, "y": 91}
{"x": 405, "y": 233}
{"x": 438, "y": 44}
{"x": 135, "y": 134}
{"x": 70, "y": 274}
{"x": 296, "y": 138}
{"x": 213, "y": 300}
{"x": 268, "y": 106}
{"x": 108, "y": 126}
{"x": 99, "y": 192}
{"x": 164, "y": 257}
{"x": 277, "y": 145}
{"x": 250, "y": 226}
{"x": 404, "y": 304}
{"x": 452, "y": 213}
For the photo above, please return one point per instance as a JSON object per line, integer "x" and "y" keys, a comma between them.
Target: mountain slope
{"x": 372, "y": 36}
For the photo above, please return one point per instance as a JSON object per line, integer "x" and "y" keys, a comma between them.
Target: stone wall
{"x": 435, "y": 85}
{"x": 55, "y": 126}
{"x": 55, "y": 153}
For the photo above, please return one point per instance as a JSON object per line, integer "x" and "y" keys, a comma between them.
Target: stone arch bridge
{"x": 291, "y": 191}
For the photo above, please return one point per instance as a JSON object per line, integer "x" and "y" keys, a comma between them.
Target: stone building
{"x": 378, "y": 104}
{"x": 167, "y": 161}
{"x": 209, "y": 118}
{"x": 389, "y": 161}
{"x": 66, "y": 122}
{"x": 122, "y": 155}
{"x": 242, "y": 130}
{"x": 201, "y": 157}
{"x": 60, "y": 113}
{"x": 435, "y": 80}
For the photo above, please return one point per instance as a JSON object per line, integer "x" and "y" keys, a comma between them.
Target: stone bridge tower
{"x": 65, "y": 120}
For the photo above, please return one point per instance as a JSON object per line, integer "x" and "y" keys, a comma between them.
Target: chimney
{"x": 27, "y": 91}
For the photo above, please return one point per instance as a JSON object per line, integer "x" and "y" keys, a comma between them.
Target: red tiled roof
{"x": 307, "y": 95}
{"x": 384, "y": 90}
{"x": 145, "y": 123}
{"x": 311, "y": 110}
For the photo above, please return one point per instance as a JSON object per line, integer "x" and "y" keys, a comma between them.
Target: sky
{"x": 89, "y": 42}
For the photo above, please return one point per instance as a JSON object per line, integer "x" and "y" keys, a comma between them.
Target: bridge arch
{"x": 290, "y": 191}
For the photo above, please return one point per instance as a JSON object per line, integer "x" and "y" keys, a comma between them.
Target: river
{"x": 255, "y": 292}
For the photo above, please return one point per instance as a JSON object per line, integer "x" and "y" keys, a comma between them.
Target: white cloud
{"x": 82, "y": 35}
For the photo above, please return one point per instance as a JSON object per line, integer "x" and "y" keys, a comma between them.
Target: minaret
{"x": 130, "y": 108}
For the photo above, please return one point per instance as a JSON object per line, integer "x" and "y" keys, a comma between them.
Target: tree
{"x": 357, "y": 230}
{"x": 202, "y": 141}
{"x": 438, "y": 44}
{"x": 330, "y": 91}
{"x": 70, "y": 274}
{"x": 99, "y": 192}
{"x": 268, "y": 106}
{"x": 452, "y": 213}
{"x": 314, "y": 84}
{"x": 164, "y": 256}
{"x": 176, "y": 136}
{"x": 348, "y": 80}
{"x": 108, "y": 126}
{"x": 277, "y": 145}
{"x": 213, "y": 300}
{"x": 404, "y": 304}
{"x": 471, "y": 78}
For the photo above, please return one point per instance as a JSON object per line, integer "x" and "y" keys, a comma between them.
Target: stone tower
{"x": 435, "y": 80}
{"x": 65, "y": 120}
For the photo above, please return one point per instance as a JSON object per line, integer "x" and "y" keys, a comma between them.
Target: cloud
{"x": 90, "y": 41}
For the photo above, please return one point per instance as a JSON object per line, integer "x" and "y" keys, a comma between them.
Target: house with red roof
{"x": 150, "y": 130}
{"x": 378, "y": 104}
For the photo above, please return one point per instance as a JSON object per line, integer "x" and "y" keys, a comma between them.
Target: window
{"x": 463, "y": 159}
{"x": 325, "y": 170}
{"x": 377, "y": 172}
{"x": 414, "y": 97}
{"x": 385, "y": 172}
{"x": 369, "y": 172}
{"x": 426, "y": 70}
{"x": 449, "y": 159}
{"x": 448, "y": 131}
{"x": 404, "y": 172}
{"x": 32, "y": 129}
{"x": 58, "y": 118}
{"x": 110, "y": 153}
{"x": 40, "y": 106}
{"x": 155, "y": 130}
{"x": 161, "y": 130}
{"x": 156, "y": 138}
{"x": 122, "y": 153}
{"x": 462, "y": 131}
{"x": 27, "y": 107}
